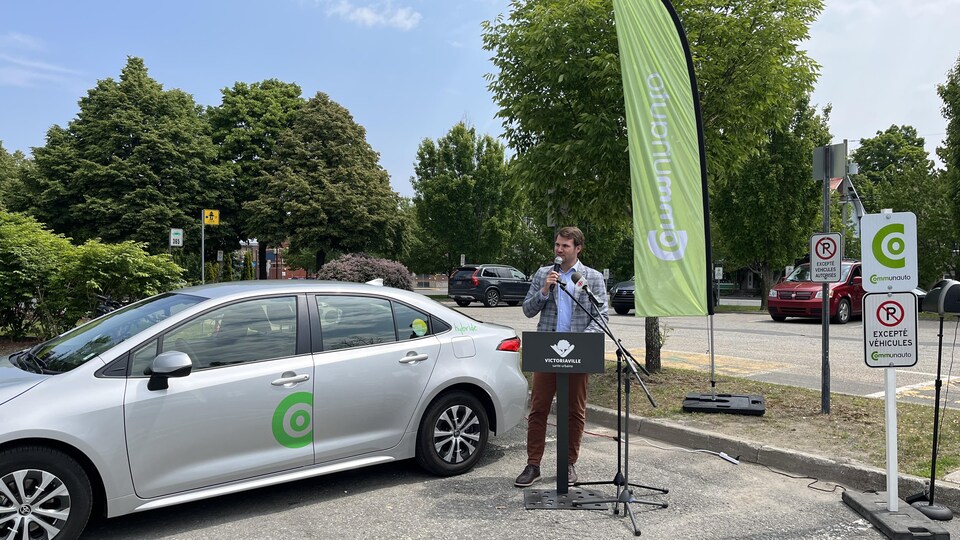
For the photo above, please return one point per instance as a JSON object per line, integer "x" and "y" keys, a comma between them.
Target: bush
{"x": 360, "y": 268}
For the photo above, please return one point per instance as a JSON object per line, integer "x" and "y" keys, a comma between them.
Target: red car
{"x": 797, "y": 296}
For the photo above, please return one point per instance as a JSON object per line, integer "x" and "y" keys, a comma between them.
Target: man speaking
{"x": 559, "y": 313}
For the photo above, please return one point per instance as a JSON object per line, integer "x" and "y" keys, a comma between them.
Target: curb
{"x": 848, "y": 473}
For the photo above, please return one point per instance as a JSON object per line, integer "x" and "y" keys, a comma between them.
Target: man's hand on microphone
{"x": 552, "y": 279}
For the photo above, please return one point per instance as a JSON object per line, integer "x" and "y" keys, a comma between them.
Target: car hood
{"x": 800, "y": 286}
{"x": 14, "y": 381}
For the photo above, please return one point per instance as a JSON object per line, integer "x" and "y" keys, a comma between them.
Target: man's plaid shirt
{"x": 534, "y": 303}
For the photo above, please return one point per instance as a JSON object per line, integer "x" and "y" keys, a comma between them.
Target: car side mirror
{"x": 857, "y": 280}
{"x": 168, "y": 364}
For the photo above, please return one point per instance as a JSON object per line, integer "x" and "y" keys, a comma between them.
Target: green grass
{"x": 854, "y": 429}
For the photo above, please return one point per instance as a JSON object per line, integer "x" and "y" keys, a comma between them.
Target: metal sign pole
{"x": 203, "y": 276}
{"x": 890, "y": 399}
{"x": 825, "y": 309}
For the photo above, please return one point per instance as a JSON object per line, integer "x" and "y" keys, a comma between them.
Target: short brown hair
{"x": 572, "y": 233}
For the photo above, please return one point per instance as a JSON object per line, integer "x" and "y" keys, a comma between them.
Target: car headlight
{"x": 820, "y": 294}
{"x": 772, "y": 294}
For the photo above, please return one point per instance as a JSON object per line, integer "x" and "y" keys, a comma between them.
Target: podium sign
{"x": 563, "y": 352}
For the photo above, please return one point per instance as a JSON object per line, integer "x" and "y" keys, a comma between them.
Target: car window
{"x": 464, "y": 273}
{"x": 518, "y": 275}
{"x": 489, "y": 272}
{"x": 355, "y": 321}
{"x": 411, "y": 323}
{"x": 845, "y": 271}
{"x": 801, "y": 273}
{"x": 505, "y": 273}
{"x": 238, "y": 333}
{"x": 143, "y": 356}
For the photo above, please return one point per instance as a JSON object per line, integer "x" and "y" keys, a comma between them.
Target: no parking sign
{"x": 890, "y": 329}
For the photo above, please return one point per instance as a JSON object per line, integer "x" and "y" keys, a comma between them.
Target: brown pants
{"x": 544, "y": 388}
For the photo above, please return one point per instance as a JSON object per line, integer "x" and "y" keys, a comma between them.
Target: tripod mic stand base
{"x": 550, "y": 499}
{"x": 935, "y": 511}
{"x": 752, "y": 405}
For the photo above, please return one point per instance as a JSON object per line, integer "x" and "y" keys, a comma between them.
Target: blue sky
{"x": 411, "y": 69}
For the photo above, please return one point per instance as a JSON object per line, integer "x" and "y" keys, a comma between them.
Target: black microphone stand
{"x": 625, "y": 361}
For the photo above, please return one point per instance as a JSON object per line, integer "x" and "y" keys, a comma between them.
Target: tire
{"x": 621, "y": 310}
{"x": 491, "y": 298}
{"x": 453, "y": 434}
{"x": 513, "y": 302}
{"x": 778, "y": 318}
{"x": 463, "y": 303}
{"x": 63, "y": 516}
{"x": 843, "y": 312}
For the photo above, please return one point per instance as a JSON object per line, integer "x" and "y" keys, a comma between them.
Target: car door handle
{"x": 413, "y": 358}
{"x": 290, "y": 380}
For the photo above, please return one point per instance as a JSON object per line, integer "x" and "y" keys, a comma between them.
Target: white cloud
{"x": 15, "y": 71}
{"x": 15, "y": 40}
{"x": 376, "y": 14}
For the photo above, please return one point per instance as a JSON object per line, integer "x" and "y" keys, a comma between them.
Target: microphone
{"x": 580, "y": 284}
{"x": 556, "y": 268}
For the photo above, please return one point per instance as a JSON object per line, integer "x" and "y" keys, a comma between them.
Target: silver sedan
{"x": 216, "y": 389}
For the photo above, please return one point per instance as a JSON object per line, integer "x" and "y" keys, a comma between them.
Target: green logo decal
{"x": 875, "y": 355}
{"x": 293, "y": 420}
{"x": 888, "y": 246}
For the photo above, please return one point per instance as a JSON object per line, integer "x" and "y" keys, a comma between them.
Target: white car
{"x": 215, "y": 389}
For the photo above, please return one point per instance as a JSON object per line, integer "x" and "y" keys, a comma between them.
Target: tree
{"x": 561, "y": 96}
{"x": 773, "y": 210}
{"x": 896, "y": 173}
{"x": 325, "y": 189}
{"x": 949, "y": 152}
{"x": 135, "y": 161}
{"x": 461, "y": 195}
{"x": 12, "y": 167}
{"x": 247, "y": 126}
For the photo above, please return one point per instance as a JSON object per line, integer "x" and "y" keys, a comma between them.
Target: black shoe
{"x": 530, "y": 474}
{"x": 571, "y": 475}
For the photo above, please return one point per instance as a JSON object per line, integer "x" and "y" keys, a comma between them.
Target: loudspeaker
{"x": 943, "y": 298}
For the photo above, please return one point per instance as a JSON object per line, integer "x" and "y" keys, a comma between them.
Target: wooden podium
{"x": 562, "y": 353}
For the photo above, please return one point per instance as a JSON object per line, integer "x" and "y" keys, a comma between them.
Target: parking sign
{"x": 825, "y": 257}
{"x": 890, "y": 329}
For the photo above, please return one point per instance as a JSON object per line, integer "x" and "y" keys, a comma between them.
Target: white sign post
{"x": 825, "y": 257}
{"x": 888, "y": 244}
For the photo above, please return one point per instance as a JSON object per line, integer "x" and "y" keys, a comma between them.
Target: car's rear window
{"x": 464, "y": 273}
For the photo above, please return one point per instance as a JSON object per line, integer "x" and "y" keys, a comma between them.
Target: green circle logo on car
{"x": 293, "y": 420}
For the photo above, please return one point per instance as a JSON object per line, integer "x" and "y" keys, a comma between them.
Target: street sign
{"x": 888, "y": 244}
{"x": 717, "y": 273}
{"x": 211, "y": 217}
{"x": 890, "y": 329}
{"x": 176, "y": 237}
{"x": 825, "y": 257}
{"x": 219, "y": 255}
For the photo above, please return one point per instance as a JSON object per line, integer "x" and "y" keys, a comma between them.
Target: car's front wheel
{"x": 453, "y": 434}
{"x": 463, "y": 303}
{"x": 778, "y": 318}
{"x": 621, "y": 310}
{"x": 47, "y": 493}
{"x": 492, "y": 298}
{"x": 843, "y": 312}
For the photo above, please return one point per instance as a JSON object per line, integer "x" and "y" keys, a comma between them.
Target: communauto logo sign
{"x": 889, "y": 245}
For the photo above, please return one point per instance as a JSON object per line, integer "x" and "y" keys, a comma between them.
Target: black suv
{"x": 487, "y": 283}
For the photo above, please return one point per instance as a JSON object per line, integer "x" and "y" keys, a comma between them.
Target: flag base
{"x": 752, "y": 405}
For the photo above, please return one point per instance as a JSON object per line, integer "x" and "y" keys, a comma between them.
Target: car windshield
{"x": 73, "y": 349}
{"x": 802, "y": 273}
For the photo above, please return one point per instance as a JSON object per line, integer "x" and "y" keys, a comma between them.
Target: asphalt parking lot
{"x": 709, "y": 498}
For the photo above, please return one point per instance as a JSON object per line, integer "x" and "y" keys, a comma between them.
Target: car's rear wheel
{"x": 463, "y": 303}
{"x": 843, "y": 312}
{"x": 492, "y": 298}
{"x": 778, "y": 318}
{"x": 622, "y": 310}
{"x": 48, "y": 491}
{"x": 453, "y": 434}
{"x": 513, "y": 302}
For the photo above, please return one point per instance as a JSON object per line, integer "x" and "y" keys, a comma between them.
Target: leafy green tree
{"x": 12, "y": 168}
{"x": 949, "y": 152}
{"x": 247, "y": 273}
{"x": 326, "y": 190}
{"x": 896, "y": 173}
{"x": 461, "y": 195}
{"x": 773, "y": 211}
{"x": 30, "y": 256}
{"x": 135, "y": 161}
{"x": 247, "y": 126}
